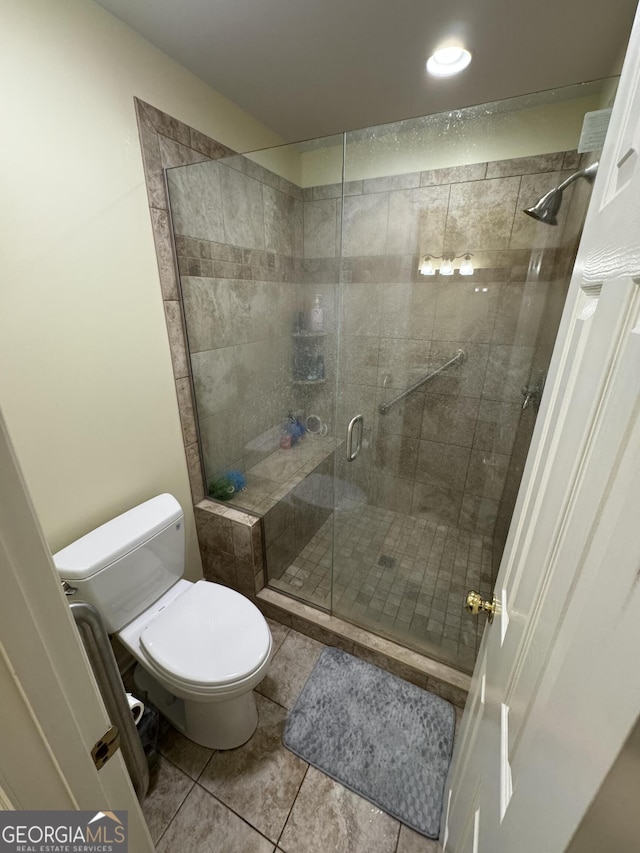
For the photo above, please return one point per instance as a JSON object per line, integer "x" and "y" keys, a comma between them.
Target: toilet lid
{"x": 210, "y": 634}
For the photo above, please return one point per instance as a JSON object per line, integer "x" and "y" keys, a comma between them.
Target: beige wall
{"x": 86, "y": 383}
{"x": 611, "y": 821}
{"x": 440, "y": 142}
{"x": 528, "y": 126}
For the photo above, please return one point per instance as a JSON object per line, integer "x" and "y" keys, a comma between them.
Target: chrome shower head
{"x": 546, "y": 209}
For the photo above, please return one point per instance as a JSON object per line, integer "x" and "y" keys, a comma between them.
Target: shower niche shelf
{"x": 308, "y": 358}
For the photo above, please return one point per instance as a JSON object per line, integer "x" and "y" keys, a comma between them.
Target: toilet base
{"x": 222, "y": 724}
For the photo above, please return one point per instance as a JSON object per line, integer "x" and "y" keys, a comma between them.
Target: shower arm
{"x": 589, "y": 174}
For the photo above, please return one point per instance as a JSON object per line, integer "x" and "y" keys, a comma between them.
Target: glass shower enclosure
{"x": 370, "y": 317}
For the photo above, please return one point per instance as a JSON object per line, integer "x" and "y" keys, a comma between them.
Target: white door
{"x": 555, "y": 690}
{"x": 51, "y": 711}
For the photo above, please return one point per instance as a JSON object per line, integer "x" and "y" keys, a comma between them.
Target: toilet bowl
{"x": 201, "y": 647}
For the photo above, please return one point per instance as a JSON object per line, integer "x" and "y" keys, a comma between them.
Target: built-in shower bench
{"x": 278, "y": 474}
{"x": 278, "y": 489}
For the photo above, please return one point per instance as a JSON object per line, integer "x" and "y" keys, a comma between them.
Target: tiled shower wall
{"x": 266, "y": 244}
{"x": 444, "y": 452}
{"x": 254, "y": 249}
{"x": 252, "y": 255}
{"x": 239, "y": 248}
{"x": 574, "y": 214}
{"x": 167, "y": 142}
{"x": 231, "y": 541}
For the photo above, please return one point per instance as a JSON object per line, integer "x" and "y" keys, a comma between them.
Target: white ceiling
{"x": 308, "y": 68}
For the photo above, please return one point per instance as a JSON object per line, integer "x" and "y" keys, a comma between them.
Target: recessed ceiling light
{"x": 447, "y": 61}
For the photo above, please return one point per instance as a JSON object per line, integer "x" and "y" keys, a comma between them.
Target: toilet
{"x": 201, "y": 647}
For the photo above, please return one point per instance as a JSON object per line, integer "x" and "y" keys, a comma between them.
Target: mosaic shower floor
{"x": 405, "y": 577}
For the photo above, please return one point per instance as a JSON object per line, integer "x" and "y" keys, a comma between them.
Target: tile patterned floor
{"x": 403, "y": 576}
{"x": 260, "y": 798}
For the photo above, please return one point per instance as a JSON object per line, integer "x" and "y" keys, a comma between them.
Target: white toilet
{"x": 201, "y": 647}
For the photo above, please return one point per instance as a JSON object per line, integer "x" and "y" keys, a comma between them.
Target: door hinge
{"x": 104, "y": 748}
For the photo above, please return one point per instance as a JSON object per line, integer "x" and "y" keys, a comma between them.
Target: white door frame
{"x": 567, "y": 576}
{"x": 51, "y": 708}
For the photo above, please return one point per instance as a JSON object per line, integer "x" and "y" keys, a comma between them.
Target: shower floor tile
{"x": 403, "y": 576}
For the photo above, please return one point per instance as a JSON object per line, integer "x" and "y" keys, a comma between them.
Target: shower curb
{"x": 425, "y": 672}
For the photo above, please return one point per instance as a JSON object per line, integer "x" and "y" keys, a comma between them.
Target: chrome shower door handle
{"x": 351, "y": 452}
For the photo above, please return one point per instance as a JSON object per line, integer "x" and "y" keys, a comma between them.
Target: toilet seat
{"x": 209, "y": 639}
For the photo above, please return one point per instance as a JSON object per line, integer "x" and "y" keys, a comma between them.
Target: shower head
{"x": 546, "y": 209}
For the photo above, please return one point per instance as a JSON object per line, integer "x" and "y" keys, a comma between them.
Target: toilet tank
{"x": 126, "y": 564}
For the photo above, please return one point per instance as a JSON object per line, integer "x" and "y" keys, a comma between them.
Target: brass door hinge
{"x": 103, "y": 749}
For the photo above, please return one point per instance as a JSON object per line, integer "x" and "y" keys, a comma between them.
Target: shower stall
{"x": 370, "y": 317}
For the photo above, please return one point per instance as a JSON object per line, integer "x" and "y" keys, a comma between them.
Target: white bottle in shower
{"x": 316, "y": 323}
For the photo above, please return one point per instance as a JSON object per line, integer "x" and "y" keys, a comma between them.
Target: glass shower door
{"x": 258, "y": 257}
{"x": 450, "y": 298}
{"x": 397, "y": 539}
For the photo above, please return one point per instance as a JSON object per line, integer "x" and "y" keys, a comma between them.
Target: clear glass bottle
{"x": 316, "y": 323}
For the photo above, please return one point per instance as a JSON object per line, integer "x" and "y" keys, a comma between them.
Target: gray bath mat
{"x": 378, "y": 735}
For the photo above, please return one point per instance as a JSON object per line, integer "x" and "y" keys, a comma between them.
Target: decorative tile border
{"x": 203, "y": 258}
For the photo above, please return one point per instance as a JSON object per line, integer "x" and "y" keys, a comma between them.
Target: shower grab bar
{"x": 103, "y": 663}
{"x": 460, "y": 356}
